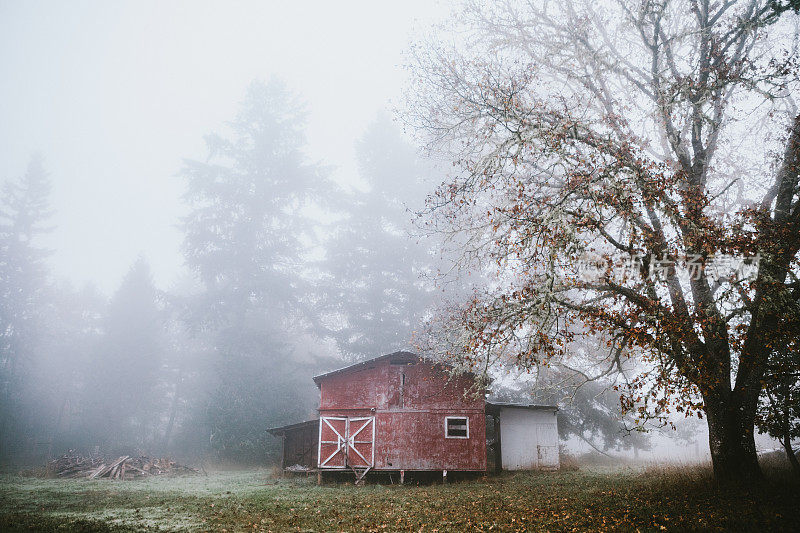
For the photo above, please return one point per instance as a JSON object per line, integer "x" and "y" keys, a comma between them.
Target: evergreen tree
{"x": 121, "y": 396}
{"x": 24, "y": 212}
{"x": 245, "y": 239}
{"x": 71, "y": 323}
{"x": 244, "y": 232}
{"x": 373, "y": 291}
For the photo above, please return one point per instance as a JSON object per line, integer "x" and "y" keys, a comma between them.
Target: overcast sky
{"x": 115, "y": 94}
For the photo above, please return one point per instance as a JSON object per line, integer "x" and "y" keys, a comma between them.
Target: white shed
{"x": 526, "y": 436}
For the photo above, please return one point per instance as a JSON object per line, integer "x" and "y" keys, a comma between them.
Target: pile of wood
{"x": 71, "y": 465}
{"x": 124, "y": 467}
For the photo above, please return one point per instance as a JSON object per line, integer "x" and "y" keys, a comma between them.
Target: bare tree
{"x": 641, "y": 138}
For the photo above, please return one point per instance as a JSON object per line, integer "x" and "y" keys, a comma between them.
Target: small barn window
{"x": 456, "y": 427}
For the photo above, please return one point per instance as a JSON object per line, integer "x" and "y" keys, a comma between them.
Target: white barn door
{"x": 346, "y": 442}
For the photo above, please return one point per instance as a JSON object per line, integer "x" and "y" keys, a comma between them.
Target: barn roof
{"x": 405, "y": 357}
{"x": 494, "y": 407}
{"x": 281, "y": 430}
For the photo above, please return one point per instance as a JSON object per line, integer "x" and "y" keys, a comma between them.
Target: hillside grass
{"x": 641, "y": 499}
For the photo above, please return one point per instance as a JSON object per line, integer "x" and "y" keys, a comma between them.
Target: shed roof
{"x": 282, "y": 430}
{"x": 494, "y": 407}
{"x": 405, "y": 357}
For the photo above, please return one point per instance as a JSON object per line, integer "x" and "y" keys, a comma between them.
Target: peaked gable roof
{"x": 401, "y": 357}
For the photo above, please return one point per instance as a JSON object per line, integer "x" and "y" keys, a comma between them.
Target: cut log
{"x": 96, "y": 473}
{"x": 110, "y": 470}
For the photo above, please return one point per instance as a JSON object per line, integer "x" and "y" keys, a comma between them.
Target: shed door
{"x": 548, "y": 445}
{"x": 346, "y": 442}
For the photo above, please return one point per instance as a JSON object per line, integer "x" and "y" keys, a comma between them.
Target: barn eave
{"x": 493, "y": 408}
{"x": 404, "y": 357}
{"x": 282, "y": 430}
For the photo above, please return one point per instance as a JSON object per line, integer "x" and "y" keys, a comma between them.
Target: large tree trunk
{"x": 173, "y": 410}
{"x": 787, "y": 445}
{"x": 732, "y": 442}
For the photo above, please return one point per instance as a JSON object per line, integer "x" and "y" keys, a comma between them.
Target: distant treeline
{"x": 289, "y": 272}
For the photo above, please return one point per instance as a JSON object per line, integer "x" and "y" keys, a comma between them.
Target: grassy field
{"x": 655, "y": 499}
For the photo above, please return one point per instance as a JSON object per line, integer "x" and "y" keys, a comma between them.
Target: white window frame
{"x": 446, "y": 426}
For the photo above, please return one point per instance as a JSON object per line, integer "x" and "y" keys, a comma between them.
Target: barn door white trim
{"x": 357, "y": 433}
{"x": 340, "y": 442}
{"x": 362, "y": 423}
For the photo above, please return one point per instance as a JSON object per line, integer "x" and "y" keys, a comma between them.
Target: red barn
{"x": 394, "y": 413}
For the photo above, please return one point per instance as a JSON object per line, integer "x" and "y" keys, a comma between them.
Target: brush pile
{"x": 123, "y": 467}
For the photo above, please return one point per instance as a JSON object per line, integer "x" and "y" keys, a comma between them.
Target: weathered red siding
{"x": 415, "y": 440}
{"x": 410, "y": 403}
{"x": 360, "y": 389}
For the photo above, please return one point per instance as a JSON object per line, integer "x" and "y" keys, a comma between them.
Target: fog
{"x": 115, "y": 94}
{"x": 205, "y": 204}
{"x": 109, "y": 111}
